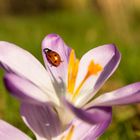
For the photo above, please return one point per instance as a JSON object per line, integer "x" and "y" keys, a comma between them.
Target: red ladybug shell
{"x": 52, "y": 57}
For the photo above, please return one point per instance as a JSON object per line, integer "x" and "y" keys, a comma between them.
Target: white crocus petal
{"x": 9, "y": 132}
{"x": 101, "y": 58}
{"x": 17, "y": 60}
{"x": 43, "y": 120}
{"x": 129, "y": 94}
{"x": 107, "y": 57}
{"x": 25, "y": 90}
{"x": 55, "y": 43}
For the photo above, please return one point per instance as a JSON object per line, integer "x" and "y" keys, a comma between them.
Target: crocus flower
{"x": 57, "y": 102}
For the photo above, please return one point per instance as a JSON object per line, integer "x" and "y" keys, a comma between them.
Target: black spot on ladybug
{"x": 53, "y": 57}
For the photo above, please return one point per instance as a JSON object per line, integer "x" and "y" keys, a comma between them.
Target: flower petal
{"x": 86, "y": 131}
{"x": 17, "y": 60}
{"x": 90, "y": 115}
{"x": 126, "y": 95}
{"x": 108, "y": 57}
{"x": 55, "y": 43}
{"x": 8, "y": 132}
{"x": 25, "y": 90}
{"x": 42, "y": 120}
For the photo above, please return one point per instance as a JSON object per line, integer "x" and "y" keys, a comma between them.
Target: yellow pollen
{"x": 70, "y": 134}
{"x": 73, "y": 65}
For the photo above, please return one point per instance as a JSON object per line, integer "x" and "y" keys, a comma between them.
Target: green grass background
{"x": 81, "y": 32}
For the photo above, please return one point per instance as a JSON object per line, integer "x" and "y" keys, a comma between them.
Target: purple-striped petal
{"x": 90, "y": 115}
{"x": 126, "y": 95}
{"x": 9, "y": 132}
{"x": 17, "y": 60}
{"x": 42, "y": 120}
{"x": 55, "y": 43}
{"x": 86, "y": 131}
{"x": 108, "y": 57}
{"x": 25, "y": 90}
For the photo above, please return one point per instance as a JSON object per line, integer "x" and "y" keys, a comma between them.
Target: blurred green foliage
{"x": 81, "y": 31}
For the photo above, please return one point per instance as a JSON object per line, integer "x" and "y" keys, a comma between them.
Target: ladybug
{"x": 53, "y": 57}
